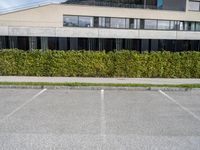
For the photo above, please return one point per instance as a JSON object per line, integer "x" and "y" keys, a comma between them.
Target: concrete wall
{"x": 52, "y": 15}
{"x": 48, "y": 21}
{"x": 97, "y": 33}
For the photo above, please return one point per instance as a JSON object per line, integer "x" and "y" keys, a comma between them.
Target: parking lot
{"x": 60, "y": 119}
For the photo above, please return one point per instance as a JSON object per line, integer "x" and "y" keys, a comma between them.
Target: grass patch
{"x": 99, "y": 84}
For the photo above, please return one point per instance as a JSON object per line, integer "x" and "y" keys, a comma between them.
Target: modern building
{"x": 104, "y": 25}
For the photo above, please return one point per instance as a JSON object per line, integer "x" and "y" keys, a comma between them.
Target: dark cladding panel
{"x": 82, "y": 44}
{"x": 144, "y": 45}
{"x": 154, "y": 45}
{"x": 23, "y": 43}
{"x": 53, "y": 43}
{"x": 73, "y": 43}
{"x": 3, "y": 42}
{"x": 44, "y": 43}
{"x": 32, "y": 43}
{"x": 119, "y": 44}
{"x": 63, "y": 43}
{"x": 93, "y": 44}
{"x": 13, "y": 43}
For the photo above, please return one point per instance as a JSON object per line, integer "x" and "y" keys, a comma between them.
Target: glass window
{"x": 131, "y": 23}
{"x": 151, "y": 4}
{"x": 181, "y": 25}
{"x": 117, "y": 23}
{"x": 137, "y": 24}
{"x": 71, "y": 21}
{"x": 85, "y": 21}
{"x": 96, "y": 21}
{"x": 172, "y": 25}
{"x": 189, "y": 26}
{"x": 192, "y": 26}
{"x": 102, "y": 22}
{"x": 141, "y": 23}
{"x": 127, "y": 23}
{"x": 163, "y": 24}
{"x": 107, "y": 22}
{"x": 197, "y": 26}
{"x": 150, "y": 24}
{"x": 195, "y": 6}
{"x": 160, "y": 4}
{"x": 177, "y": 25}
{"x": 186, "y": 26}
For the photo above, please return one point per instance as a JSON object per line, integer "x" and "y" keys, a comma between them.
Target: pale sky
{"x": 9, "y": 4}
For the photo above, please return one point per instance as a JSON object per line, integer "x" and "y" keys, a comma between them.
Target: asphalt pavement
{"x": 50, "y": 119}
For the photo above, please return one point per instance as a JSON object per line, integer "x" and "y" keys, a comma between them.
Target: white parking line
{"x": 103, "y": 120}
{"x": 20, "y": 107}
{"x": 181, "y": 106}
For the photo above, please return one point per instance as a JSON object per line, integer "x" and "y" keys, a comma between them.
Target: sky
{"x": 9, "y": 4}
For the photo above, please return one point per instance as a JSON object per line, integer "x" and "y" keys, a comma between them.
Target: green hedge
{"x": 100, "y": 64}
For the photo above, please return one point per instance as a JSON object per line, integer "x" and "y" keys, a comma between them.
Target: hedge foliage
{"x": 100, "y": 64}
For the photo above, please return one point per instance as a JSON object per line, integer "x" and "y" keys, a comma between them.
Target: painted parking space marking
{"x": 21, "y": 106}
{"x": 181, "y": 106}
{"x": 103, "y": 119}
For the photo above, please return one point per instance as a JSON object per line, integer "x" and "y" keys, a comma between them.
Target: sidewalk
{"x": 157, "y": 81}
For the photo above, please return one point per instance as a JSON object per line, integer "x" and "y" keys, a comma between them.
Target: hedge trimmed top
{"x": 100, "y": 64}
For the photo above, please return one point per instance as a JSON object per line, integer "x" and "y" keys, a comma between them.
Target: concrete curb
{"x": 99, "y": 88}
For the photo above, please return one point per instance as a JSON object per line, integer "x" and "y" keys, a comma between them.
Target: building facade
{"x": 140, "y": 25}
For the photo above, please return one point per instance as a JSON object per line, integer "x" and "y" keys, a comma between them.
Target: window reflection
{"x": 198, "y": 26}
{"x": 129, "y": 23}
{"x": 102, "y": 22}
{"x": 86, "y": 21}
{"x": 107, "y": 22}
{"x": 71, "y": 21}
{"x": 150, "y": 24}
{"x": 164, "y": 25}
{"x": 194, "y": 5}
{"x": 118, "y": 23}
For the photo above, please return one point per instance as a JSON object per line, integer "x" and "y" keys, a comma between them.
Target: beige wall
{"x": 52, "y": 15}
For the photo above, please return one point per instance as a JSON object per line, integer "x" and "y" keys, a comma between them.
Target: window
{"x": 194, "y": 5}
{"x": 150, "y": 24}
{"x": 141, "y": 23}
{"x": 137, "y": 23}
{"x": 181, "y": 27}
{"x": 107, "y": 22}
{"x": 172, "y": 25}
{"x": 71, "y": 21}
{"x": 160, "y": 4}
{"x": 164, "y": 25}
{"x": 127, "y": 23}
{"x": 189, "y": 26}
{"x": 96, "y": 21}
{"x": 102, "y": 22}
{"x": 197, "y": 26}
{"x": 117, "y": 23}
{"x": 131, "y": 23}
{"x": 151, "y": 4}
{"x": 85, "y": 21}
{"x": 177, "y": 25}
